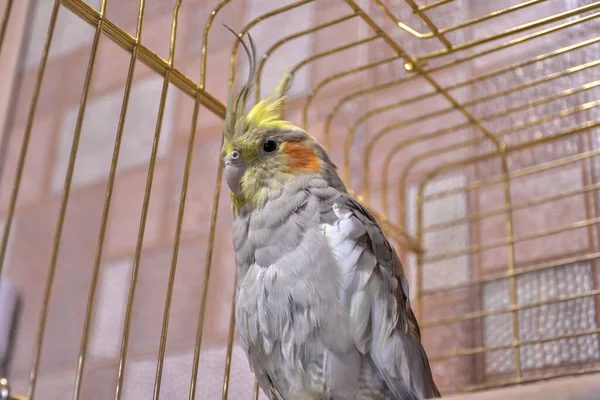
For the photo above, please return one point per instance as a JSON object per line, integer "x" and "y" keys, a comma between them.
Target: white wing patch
{"x": 345, "y": 238}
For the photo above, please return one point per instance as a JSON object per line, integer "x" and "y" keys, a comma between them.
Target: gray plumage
{"x": 322, "y": 305}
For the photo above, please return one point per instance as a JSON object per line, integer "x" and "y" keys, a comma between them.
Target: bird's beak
{"x": 233, "y": 175}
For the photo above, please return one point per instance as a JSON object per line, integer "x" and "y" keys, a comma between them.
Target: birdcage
{"x": 469, "y": 129}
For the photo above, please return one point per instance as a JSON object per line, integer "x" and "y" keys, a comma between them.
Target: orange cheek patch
{"x": 302, "y": 158}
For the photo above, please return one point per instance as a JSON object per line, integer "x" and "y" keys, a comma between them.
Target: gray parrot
{"x": 322, "y": 307}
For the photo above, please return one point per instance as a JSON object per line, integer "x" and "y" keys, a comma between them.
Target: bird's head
{"x": 261, "y": 151}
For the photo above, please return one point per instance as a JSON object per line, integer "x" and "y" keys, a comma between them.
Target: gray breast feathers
{"x": 322, "y": 300}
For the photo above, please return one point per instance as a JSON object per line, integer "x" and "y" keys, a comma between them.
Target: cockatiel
{"x": 322, "y": 306}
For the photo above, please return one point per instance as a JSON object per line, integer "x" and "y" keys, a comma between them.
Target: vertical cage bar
{"x": 214, "y": 213}
{"x": 231, "y": 333}
{"x": 145, "y": 206}
{"x": 256, "y": 391}
{"x": 63, "y": 205}
{"x": 27, "y": 136}
{"x": 419, "y": 236}
{"x": 5, "y": 20}
{"x": 107, "y": 205}
{"x": 175, "y": 254}
{"x": 207, "y": 270}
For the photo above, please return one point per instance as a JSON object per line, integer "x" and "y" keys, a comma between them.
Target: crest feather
{"x": 266, "y": 113}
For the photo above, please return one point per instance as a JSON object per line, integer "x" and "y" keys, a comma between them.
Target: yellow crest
{"x": 267, "y": 112}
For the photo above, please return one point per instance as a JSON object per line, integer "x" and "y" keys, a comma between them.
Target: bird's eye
{"x": 269, "y": 146}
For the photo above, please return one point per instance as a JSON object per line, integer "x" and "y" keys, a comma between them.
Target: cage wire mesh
{"x": 468, "y": 128}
